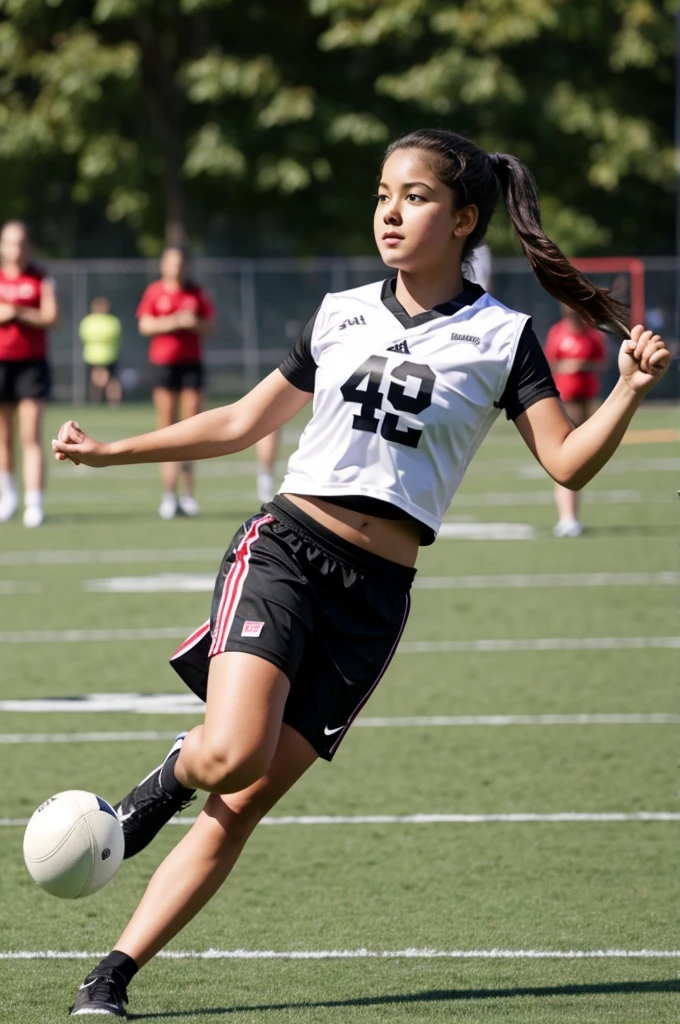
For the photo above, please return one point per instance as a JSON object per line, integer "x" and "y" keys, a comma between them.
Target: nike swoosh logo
{"x": 88, "y": 983}
{"x": 124, "y": 817}
{"x": 329, "y": 732}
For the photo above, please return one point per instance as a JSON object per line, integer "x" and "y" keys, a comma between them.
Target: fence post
{"x": 249, "y": 333}
{"x": 78, "y": 311}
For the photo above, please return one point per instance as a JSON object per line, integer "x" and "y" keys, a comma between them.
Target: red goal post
{"x": 632, "y": 266}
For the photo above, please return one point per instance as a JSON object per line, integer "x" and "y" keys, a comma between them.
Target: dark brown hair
{"x": 479, "y": 178}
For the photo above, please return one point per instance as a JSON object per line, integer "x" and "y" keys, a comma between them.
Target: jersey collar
{"x": 470, "y": 293}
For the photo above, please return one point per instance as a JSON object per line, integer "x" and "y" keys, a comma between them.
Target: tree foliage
{"x": 259, "y": 127}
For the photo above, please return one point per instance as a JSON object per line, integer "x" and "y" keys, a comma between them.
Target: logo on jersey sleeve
{"x": 356, "y": 321}
{"x": 401, "y": 346}
{"x": 470, "y": 338}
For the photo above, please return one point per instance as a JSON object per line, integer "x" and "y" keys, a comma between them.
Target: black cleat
{"x": 103, "y": 991}
{"x": 149, "y": 806}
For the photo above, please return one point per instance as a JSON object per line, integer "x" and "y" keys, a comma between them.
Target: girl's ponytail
{"x": 552, "y": 268}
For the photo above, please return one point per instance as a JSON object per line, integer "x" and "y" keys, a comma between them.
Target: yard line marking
{"x": 168, "y": 705}
{"x": 215, "y": 469}
{"x": 10, "y": 587}
{"x": 160, "y": 583}
{"x": 486, "y": 531}
{"x": 10, "y": 738}
{"x": 507, "y": 499}
{"x": 119, "y": 555}
{"x": 601, "y": 643}
{"x": 364, "y": 954}
{"x": 186, "y": 582}
{"x": 563, "y": 579}
{"x": 79, "y": 636}
{"x": 143, "y": 499}
{"x": 563, "y": 817}
{"x": 532, "y": 471}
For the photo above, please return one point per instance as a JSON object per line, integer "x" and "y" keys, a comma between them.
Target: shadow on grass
{"x": 433, "y": 996}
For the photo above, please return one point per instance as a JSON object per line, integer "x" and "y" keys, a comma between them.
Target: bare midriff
{"x": 394, "y": 539}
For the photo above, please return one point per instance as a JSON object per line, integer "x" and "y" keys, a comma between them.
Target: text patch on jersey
{"x": 356, "y": 321}
{"x": 471, "y": 338}
{"x": 252, "y": 628}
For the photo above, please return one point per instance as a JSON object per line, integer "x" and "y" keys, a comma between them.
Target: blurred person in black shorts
{"x": 28, "y": 307}
{"x": 176, "y": 314}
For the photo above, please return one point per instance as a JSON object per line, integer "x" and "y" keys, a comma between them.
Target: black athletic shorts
{"x": 178, "y": 376}
{"x": 111, "y": 368}
{"x": 24, "y": 378}
{"x": 327, "y": 613}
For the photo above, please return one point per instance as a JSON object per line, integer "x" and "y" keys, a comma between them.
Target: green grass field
{"x": 505, "y": 890}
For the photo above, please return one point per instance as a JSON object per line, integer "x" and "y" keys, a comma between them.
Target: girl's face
{"x": 416, "y": 225}
{"x": 172, "y": 265}
{"x": 13, "y": 245}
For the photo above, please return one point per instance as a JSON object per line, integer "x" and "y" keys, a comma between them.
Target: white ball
{"x": 73, "y": 844}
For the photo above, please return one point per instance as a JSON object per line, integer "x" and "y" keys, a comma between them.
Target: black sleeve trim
{"x": 530, "y": 378}
{"x": 299, "y": 367}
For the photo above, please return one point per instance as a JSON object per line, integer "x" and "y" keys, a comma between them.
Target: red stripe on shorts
{"x": 233, "y": 586}
{"x": 192, "y": 640}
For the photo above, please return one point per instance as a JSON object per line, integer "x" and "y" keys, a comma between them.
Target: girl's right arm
{"x": 223, "y": 431}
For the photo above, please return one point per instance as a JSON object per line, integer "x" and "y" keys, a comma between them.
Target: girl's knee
{"x": 220, "y": 771}
{"x": 235, "y": 819}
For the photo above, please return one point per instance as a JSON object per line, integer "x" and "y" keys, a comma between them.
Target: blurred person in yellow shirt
{"x": 100, "y": 333}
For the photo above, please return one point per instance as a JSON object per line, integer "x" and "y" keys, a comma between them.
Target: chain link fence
{"x": 263, "y": 304}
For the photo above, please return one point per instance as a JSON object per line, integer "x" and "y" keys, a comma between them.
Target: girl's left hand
{"x": 643, "y": 360}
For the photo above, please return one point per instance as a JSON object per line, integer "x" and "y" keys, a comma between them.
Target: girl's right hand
{"x": 74, "y": 444}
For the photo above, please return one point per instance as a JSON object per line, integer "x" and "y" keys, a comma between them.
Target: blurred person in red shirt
{"x": 28, "y": 307}
{"x": 575, "y": 352}
{"x": 176, "y": 314}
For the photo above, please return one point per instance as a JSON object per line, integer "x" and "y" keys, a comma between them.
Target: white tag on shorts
{"x": 252, "y": 628}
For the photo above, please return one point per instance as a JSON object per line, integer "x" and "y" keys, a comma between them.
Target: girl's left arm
{"x": 573, "y": 456}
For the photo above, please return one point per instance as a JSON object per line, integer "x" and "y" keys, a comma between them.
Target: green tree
{"x": 259, "y": 127}
{"x": 582, "y": 92}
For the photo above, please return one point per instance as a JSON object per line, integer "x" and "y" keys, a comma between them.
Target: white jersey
{"x": 401, "y": 404}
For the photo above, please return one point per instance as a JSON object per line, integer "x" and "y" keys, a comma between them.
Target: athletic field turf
{"x": 497, "y": 839}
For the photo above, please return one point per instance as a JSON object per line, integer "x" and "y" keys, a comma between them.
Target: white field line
{"x": 560, "y": 818}
{"x": 453, "y": 529}
{"x": 187, "y": 582}
{"x": 117, "y": 556}
{"x": 431, "y": 721}
{"x": 529, "y": 499}
{"x": 365, "y": 954}
{"x": 145, "y": 500}
{"x": 602, "y": 643}
{"x": 598, "y": 643}
{"x": 564, "y": 579}
{"x": 79, "y": 636}
{"x": 214, "y": 468}
{"x": 532, "y": 471}
{"x": 8, "y": 588}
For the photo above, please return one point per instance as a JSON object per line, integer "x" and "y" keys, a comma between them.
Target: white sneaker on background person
{"x": 9, "y": 503}
{"x": 265, "y": 486}
{"x": 33, "y": 516}
{"x": 33, "y": 510}
{"x": 188, "y": 505}
{"x": 168, "y": 506}
{"x": 9, "y": 499}
{"x": 568, "y": 528}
